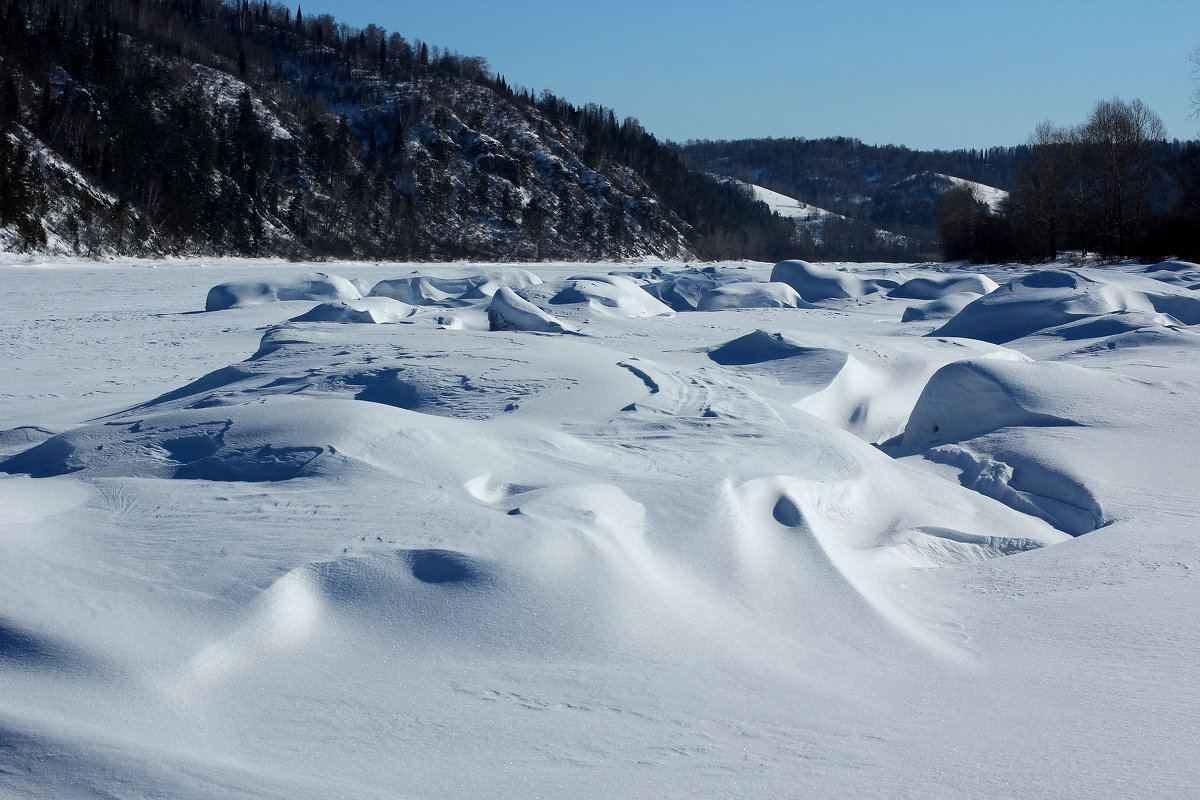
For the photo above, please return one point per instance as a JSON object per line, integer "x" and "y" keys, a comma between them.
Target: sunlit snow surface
{"x": 552, "y": 532}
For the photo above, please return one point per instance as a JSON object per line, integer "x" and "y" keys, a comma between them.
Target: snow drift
{"x": 318, "y": 286}
{"x": 944, "y": 307}
{"x": 751, "y": 295}
{"x": 815, "y": 283}
{"x": 934, "y": 288}
{"x": 611, "y": 294}
{"x": 370, "y": 310}
{"x": 509, "y": 311}
{"x": 259, "y": 553}
{"x": 424, "y": 290}
{"x": 1050, "y": 298}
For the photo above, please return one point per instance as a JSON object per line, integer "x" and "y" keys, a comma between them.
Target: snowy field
{"x": 740, "y": 531}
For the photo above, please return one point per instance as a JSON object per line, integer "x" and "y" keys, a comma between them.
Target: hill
{"x": 881, "y": 202}
{"x": 215, "y": 128}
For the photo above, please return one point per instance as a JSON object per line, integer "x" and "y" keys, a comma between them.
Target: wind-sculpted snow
{"x": 815, "y": 283}
{"x": 683, "y": 289}
{"x": 944, "y": 307}
{"x": 969, "y": 398}
{"x": 1181, "y": 273}
{"x": 1007, "y": 424}
{"x": 761, "y": 346}
{"x": 751, "y": 295}
{"x": 509, "y": 311}
{"x": 423, "y": 290}
{"x": 1049, "y": 298}
{"x": 867, "y": 386}
{"x": 611, "y": 294}
{"x": 934, "y": 288}
{"x": 318, "y": 286}
{"x": 370, "y": 310}
{"x": 769, "y": 549}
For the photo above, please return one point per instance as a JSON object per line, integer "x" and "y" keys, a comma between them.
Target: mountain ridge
{"x": 210, "y": 128}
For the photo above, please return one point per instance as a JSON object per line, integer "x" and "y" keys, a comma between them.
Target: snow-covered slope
{"x": 992, "y": 197}
{"x": 520, "y": 533}
{"x": 789, "y": 207}
{"x": 809, "y": 217}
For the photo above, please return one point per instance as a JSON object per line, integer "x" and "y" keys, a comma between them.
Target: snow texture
{"x": 318, "y": 286}
{"x": 780, "y": 548}
{"x": 1045, "y": 299}
{"x": 751, "y": 295}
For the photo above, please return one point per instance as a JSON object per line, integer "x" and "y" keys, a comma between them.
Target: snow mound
{"x": 979, "y": 417}
{"x": 275, "y": 439}
{"x": 967, "y": 399}
{"x": 318, "y": 286}
{"x": 1169, "y": 338}
{"x": 751, "y": 295}
{"x": 1180, "y": 273}
{"x": 422, "y": 290}
{"x": 509, "y": 311}
{"x": 1183, "y": 306}
{"x": 1041, "y": 300}
{"x": 225, "y": 444}
{"x": 1113, "y": 324}
{"x": 1174, "y": 266}
{"x": 1029, "y": 480}
{"x": 682, "y": 293}
{"x": 615, "y": 295}
{"x": 23, "y": 437}
{"x": 761, "y": 346}
{"x": 433, "y": 371}
{"x": 934, "y": 288}
{"x": 815, "y": 283}
{"x": 943, "y": 307}
{"x": 371, "y": 310}
{"x": 27, "y": 501}
{"x": 419, "y": 291}
{"x": 682, "y": 289}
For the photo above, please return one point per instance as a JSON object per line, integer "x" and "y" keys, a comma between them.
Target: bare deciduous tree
{"x": 1039, "y": 198}
{"x": 1117, "y": 150}
{"x": 1196, "y": 76}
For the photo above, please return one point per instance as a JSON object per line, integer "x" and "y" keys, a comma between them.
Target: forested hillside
{"x": 1110, "y": 186}
{"x": 1097, "y": 187}
{"x": 204, "y": 127}
{"x": 885, "y": 198}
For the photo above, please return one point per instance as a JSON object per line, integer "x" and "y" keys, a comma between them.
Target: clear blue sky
{"x": 923, "y": 74}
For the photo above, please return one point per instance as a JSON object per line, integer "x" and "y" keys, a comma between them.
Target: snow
{"x": 789, "y": 207}
{"x": 317, "y": 286}
{"x": 816, "y": 283}
{"x": 611, "y": 294}
{"x": 754, "y": 551}
{"x": 751, "y": 295}
{"x": 943, "y": 285}
{"x": 225, "y": 91}
{"x": 1044, "y": 299}
{"x": 422, "y": 290}
{"x": 510, "y": 311}
{"x": 944, "y": 307}
{"x": 370, "y": 310}
{"x": 990, "y": 196}
{"x": 681, "y": 289}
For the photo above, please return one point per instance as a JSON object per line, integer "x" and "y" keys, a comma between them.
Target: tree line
{"x": 1111, "y": 186}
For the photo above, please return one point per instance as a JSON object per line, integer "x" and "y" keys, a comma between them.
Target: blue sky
{"x": 922, "y": 74}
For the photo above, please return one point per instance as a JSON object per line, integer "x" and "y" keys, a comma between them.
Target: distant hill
{"x": 879, "y": 202}
{"x": 204, "y": 127}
